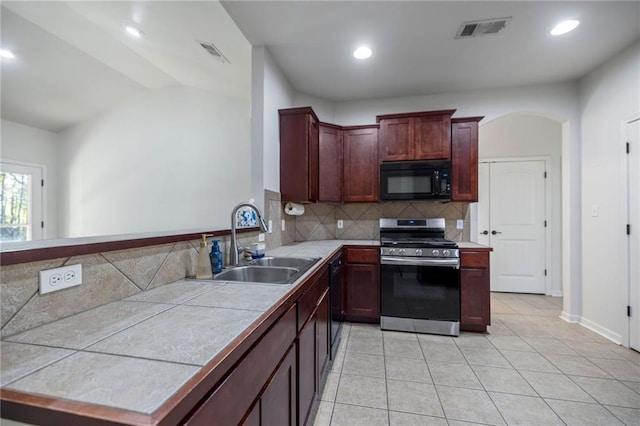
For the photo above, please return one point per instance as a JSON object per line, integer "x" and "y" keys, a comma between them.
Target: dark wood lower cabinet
{"x": 306, "y": 369}
{"x": 362, "y": 285}
{"x": 278, "y": 405}
{"x": 322, "y": 335}
{"x": 475, "y": 295}
{"x": 313, "y": 356}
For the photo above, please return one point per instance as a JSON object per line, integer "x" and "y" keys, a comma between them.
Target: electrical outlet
{"x": 594, "y": 210}
{"x": 459, "y": 224}
{"x": 283, "y": 226}
{"x": 59, "y": 278}
{"x": 340, "y": 224}
{"x": 270, "y": 227}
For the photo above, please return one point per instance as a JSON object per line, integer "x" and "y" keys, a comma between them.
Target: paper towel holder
{"x": 294, "y": 209}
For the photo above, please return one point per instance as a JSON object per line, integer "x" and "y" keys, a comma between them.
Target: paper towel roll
{"x": 294, "y": 209}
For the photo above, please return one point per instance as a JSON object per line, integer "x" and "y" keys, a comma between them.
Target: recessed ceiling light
{"x": 6, "y": 53}
{"x": 362, "y": 52}
{"x": 133, "y": 31}
{"x": 564, "y": 27}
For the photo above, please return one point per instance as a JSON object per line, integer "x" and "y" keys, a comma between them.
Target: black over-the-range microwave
{"x": 415, "y": 180}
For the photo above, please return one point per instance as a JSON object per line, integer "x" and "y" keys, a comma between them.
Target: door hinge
{"x": 628, "y": 310}
{"x": 545, "y": 272}
{"x": 545, "y": 175}
{"x": 42, "y": 183}
{"x": 628, "y": 229}
{"x": 545, "y": 223}
{"x": 628, "y": 147}
{"x": 42, "y": 225}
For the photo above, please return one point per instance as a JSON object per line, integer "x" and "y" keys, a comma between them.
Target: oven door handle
{"x": 445, "y": 263}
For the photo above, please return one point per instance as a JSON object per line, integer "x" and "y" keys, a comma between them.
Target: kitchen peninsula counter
{"x": 136, "y": 359}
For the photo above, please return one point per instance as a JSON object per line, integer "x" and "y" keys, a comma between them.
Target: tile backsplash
{"x": 361, "y": 220}
{"x": 106, "y": 277}
{"x": 112, "y": 275}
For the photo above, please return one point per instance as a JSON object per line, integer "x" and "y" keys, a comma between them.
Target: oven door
{"x": 420, "y": 289}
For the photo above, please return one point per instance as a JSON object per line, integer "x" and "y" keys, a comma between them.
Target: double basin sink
{"x": 270, "y": 270}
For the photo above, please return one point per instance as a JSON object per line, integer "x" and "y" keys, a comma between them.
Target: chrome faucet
{"x": 234, "y": 242}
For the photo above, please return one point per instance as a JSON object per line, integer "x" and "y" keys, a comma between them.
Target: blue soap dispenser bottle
{"x": 216, "y": 257}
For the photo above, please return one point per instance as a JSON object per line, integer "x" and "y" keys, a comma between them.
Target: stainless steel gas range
{"x": 419, "y": 277}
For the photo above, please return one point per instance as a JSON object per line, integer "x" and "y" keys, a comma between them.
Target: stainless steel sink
{"x": 286, "y": 262}
{"x": 258, "y": 274}
{"x": 270, "y": 270}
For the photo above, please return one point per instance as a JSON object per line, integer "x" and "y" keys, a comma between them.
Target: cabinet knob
{"x": 485, "y": 232}
{"x": 495, "y": 232}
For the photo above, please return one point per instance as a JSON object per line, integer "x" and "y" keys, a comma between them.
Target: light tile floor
{"x": 532, "y": 368}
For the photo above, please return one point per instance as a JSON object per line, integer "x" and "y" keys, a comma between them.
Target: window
{"x": 20, "y": 202}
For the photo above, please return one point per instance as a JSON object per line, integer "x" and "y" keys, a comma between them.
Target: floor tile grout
{"x": 534, "y": 328}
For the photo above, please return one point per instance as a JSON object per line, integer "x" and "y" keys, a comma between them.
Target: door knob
{"x": 485, "y": 232}
{"x": 495, "y": 232}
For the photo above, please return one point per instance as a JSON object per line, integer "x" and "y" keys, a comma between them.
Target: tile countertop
{"x": 135, "y": 353}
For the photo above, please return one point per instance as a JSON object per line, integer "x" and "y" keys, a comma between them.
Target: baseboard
{"x": 602, "y": 331}
{"x": 573, "y": 319}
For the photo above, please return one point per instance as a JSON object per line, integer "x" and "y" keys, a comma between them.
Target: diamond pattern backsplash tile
{"x": 361, "y": 220}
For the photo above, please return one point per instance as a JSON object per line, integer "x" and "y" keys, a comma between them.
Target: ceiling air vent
{"x": 214, "y": 51}
{"x": 482, "y": 28}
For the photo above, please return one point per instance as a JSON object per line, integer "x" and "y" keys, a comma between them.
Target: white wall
{"x": 173, "y": 159}
{"x": 520, "y": 136}
{"x": 35, "y": 146}
{"x": 608, "y": 95}
{"x": 555, "y": 101}
{"x": 277, "y": 95}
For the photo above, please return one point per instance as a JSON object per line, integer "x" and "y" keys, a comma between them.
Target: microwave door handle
{"x": 435, "y": 182}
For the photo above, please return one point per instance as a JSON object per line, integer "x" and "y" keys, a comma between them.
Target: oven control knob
{"x": 418, "y": 252}
{"x": 435, "y": 253}
{"x": 402, "y": 252}
{"x": 446, "y": 253}
{"x": 392, "y": 251}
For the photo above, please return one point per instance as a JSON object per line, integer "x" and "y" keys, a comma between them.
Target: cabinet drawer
{"x": 475, "y": 259}
{"x": 363, "y": 255}
{"x": 308, "y": 301}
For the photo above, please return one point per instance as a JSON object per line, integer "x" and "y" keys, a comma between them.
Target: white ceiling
{"x": 74, "y": 59}
{"x": 414, "y": 46}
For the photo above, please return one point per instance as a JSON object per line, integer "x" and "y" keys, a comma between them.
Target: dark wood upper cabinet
{"x": 299, "y": 155}
{"x": 464, "y": 146}
{"x": 330, "y": 163}
{"x": 361, "y": 167}
{"x": 415, "y": 136}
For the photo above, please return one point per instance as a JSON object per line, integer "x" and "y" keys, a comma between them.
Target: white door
{"x": 511, "y": 219}
{"x": 20, "y": 202}
{"x": 633, "y": 137}
{"x": 484, "y": 213}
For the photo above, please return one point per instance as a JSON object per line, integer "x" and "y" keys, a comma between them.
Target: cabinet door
{"x": 396, "y": 139}
{"x": 433, "y": 137}
{"x": 279, "y": 403}
{"x": 313, "y": 159}
{"x": 330, "y": 164}
{"x": 474, "y": 299}
{"x": 362, "y": 292}
{"x": 464, "y": 145}
{"x": 306, "y": 369}
{"x": 322, "y": 335}
{"x": 298, "y": 155}
{"x": 361, "y": 166}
